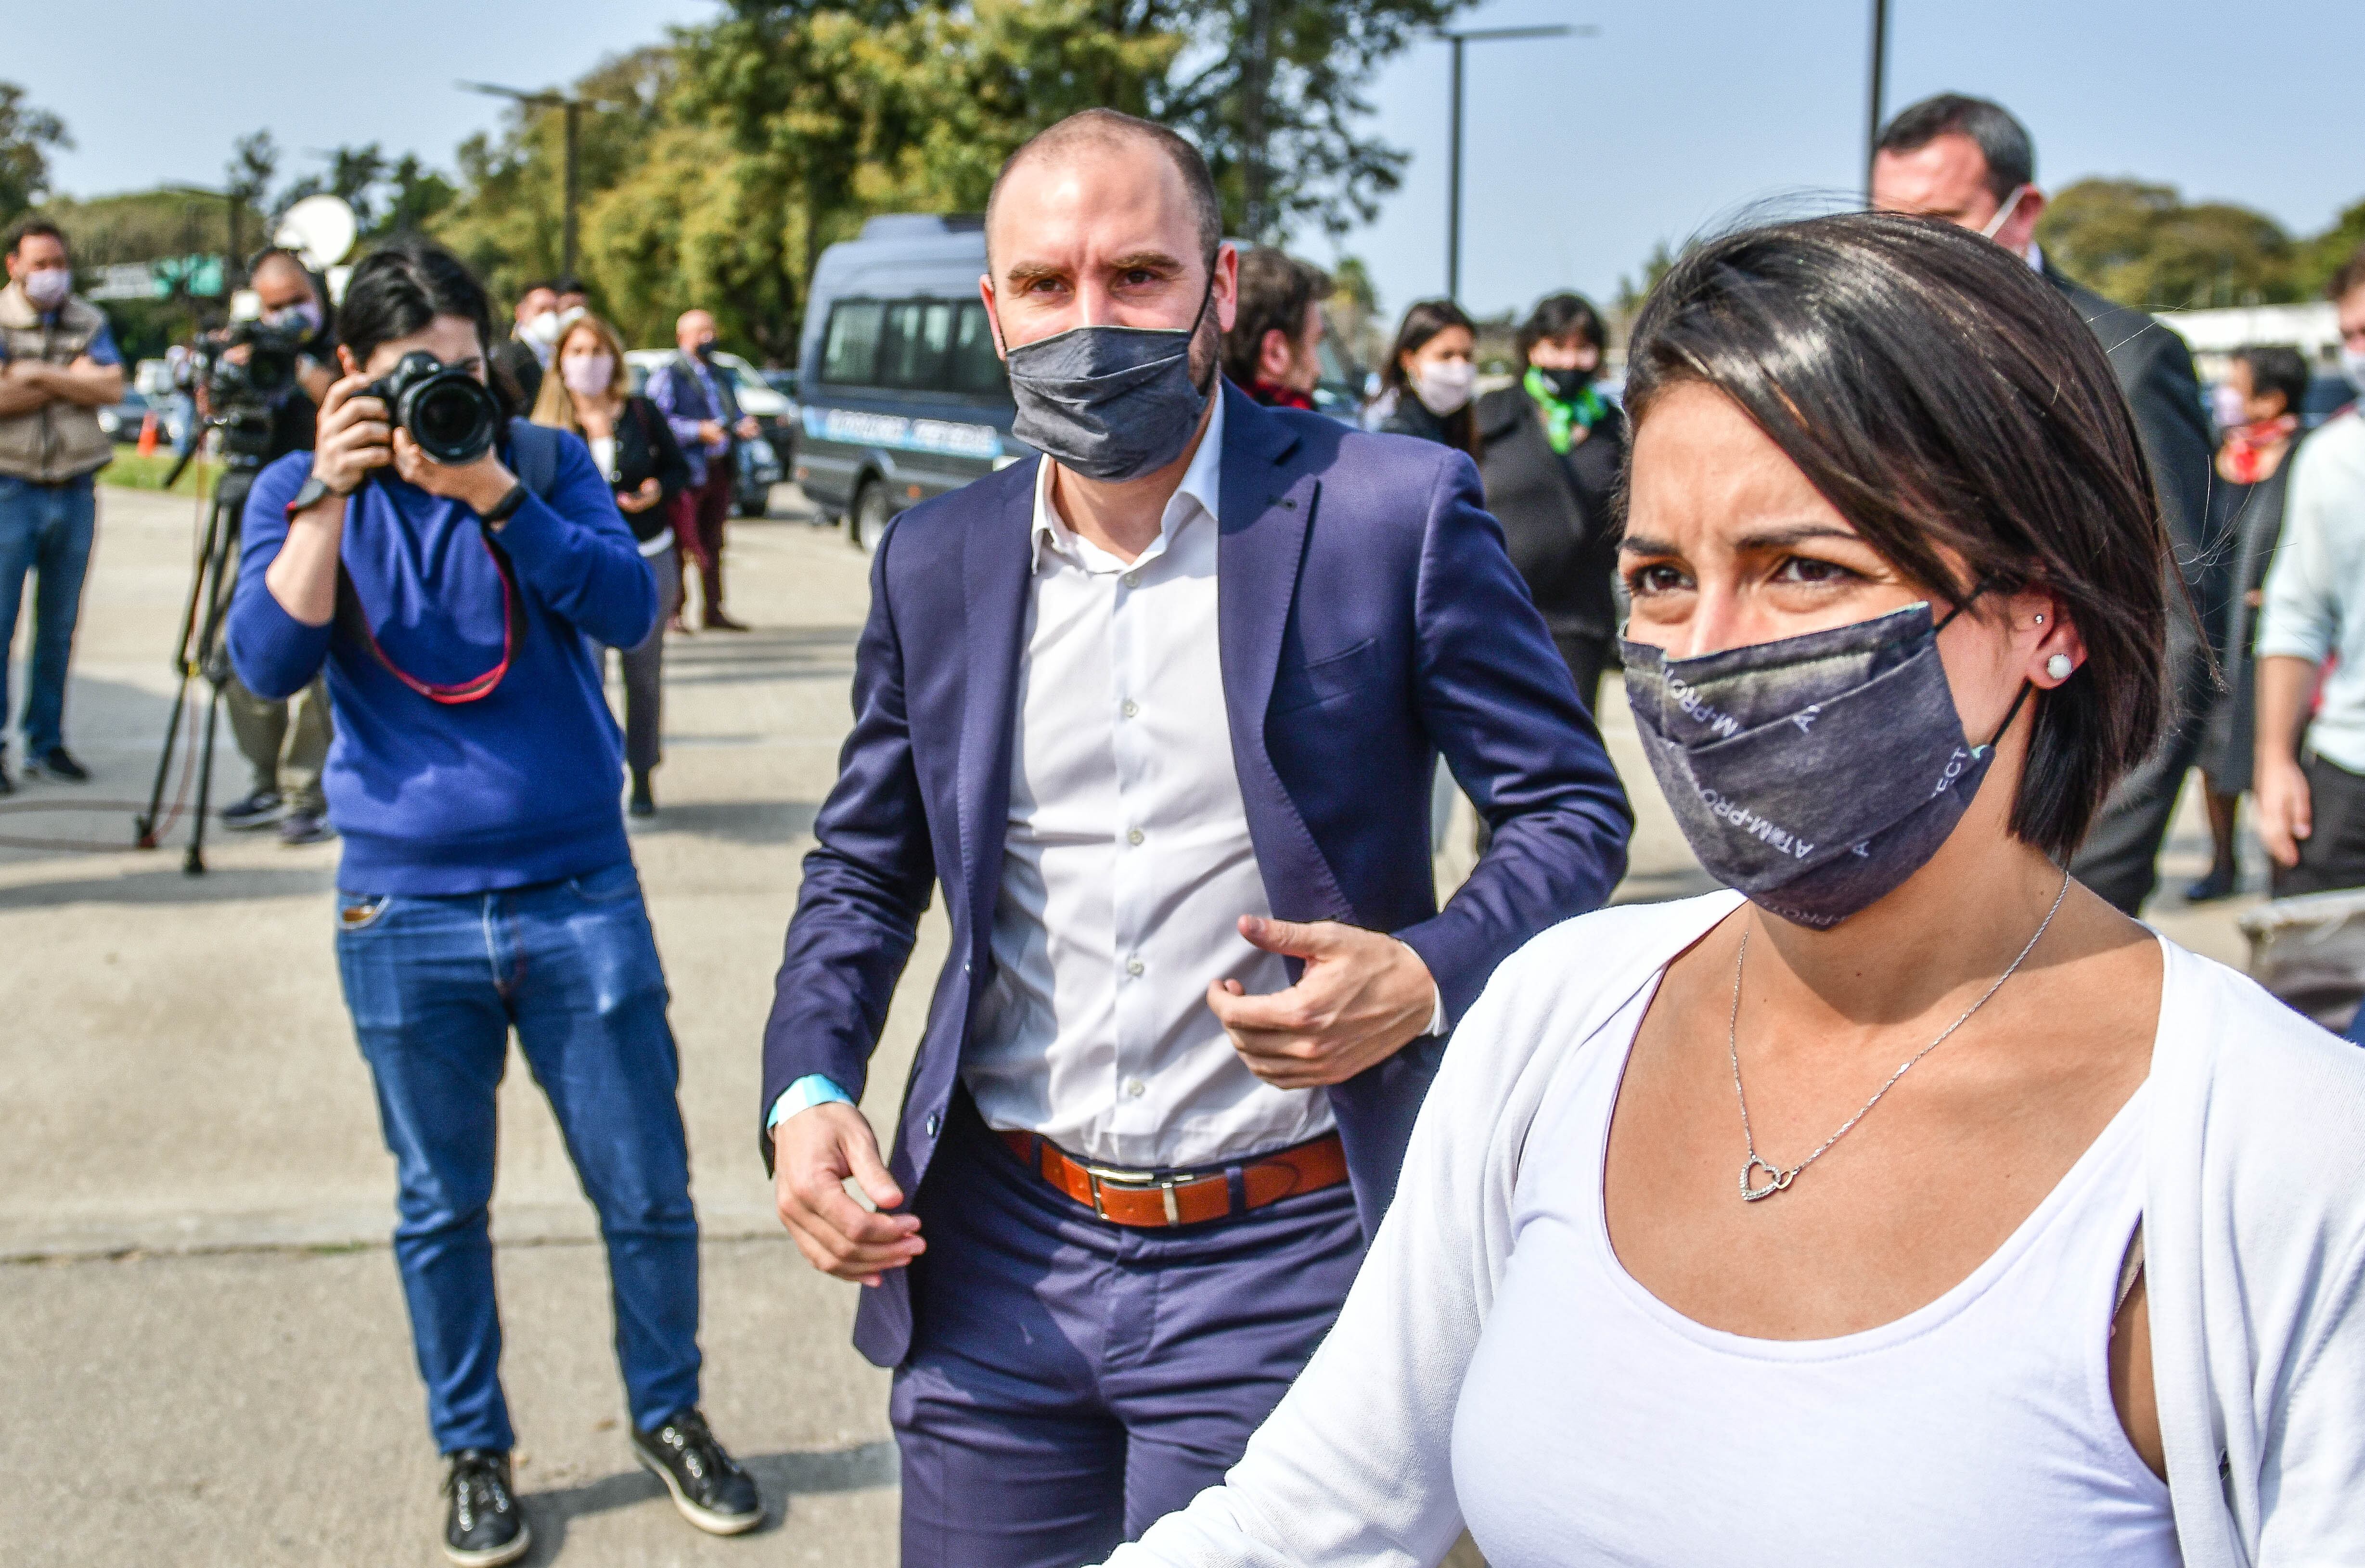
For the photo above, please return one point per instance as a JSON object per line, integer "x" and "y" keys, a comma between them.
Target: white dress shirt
{"x": 1127, "y": 862}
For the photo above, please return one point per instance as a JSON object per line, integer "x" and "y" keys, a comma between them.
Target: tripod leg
{"x": 194, "y": 864}
{"x": 188, "y": 653}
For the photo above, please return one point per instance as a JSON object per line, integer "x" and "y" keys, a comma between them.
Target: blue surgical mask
{"x": 304, "y": 313}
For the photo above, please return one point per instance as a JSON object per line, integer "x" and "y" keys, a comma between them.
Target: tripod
{"x": 199, "y": 651}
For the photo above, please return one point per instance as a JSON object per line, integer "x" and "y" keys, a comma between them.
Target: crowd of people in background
{"x": 1200, "y": 984}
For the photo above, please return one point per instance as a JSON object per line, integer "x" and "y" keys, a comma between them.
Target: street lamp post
{"x": 572, "y": 109}
{"x": 1879, "y": 73}
{"x": 1453, "y": 155}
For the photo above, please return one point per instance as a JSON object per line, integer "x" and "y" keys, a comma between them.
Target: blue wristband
{"x": 806, "y": 1092}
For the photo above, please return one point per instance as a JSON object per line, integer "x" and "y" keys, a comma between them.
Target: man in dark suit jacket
{"x": 1159, "y": 711}
{"x": 1969, "y": 162}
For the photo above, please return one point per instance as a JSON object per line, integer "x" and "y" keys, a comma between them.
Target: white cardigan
{"x": 2254, "y": 1244}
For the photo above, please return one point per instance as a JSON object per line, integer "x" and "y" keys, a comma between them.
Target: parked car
{"x": 123, "y": 421}
{"x": 2327, "y": 395}
{"x": 763, "y": 462}
{"x": 900, "y": 395}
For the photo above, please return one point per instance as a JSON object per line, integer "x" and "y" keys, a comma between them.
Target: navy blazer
{"x": 1369, "y": 619}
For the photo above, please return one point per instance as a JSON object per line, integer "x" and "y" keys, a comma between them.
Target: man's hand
{"x": 710, "y": 430}
{"x": 648, "y": 495}
{"x": 748, "y": 428}
{"x": 1362, "y": 997}
{"x": 814, "y": 1154}
{"x": 2286, "y": 812}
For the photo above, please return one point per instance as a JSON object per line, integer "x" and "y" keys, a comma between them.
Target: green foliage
{"x": 2143, "y": 245}
{"x": 2321, "y": 257}
{"x": 26, "y": 134}
{"x": 389, "y": 195}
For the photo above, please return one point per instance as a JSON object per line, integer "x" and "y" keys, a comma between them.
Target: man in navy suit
{"x": 1159, "y": 713}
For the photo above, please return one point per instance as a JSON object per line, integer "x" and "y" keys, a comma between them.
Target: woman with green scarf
{"x": 1551, "y": 447}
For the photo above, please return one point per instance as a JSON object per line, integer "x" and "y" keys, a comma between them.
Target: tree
{"x": 27, "y": 135}
{"x": 2141, "y": 245}
{"x": 389, "y": 195}
{"x": 2324, "y": 255}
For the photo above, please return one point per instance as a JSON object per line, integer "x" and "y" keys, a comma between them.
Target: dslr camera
{"x": 453, "y": 416}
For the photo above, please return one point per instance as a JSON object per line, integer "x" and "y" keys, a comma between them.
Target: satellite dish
{"x": 319, "y": 228}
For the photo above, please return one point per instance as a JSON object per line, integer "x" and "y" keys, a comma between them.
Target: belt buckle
{"x": 1139, "y": 1181}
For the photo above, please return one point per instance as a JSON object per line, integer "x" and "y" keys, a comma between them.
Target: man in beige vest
{"x": 58, "y": 367}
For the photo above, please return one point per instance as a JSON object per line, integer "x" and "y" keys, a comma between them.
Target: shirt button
{"x": 935, "y": 1121}
{"x": 1133, "y": 966}
{"x": 1131, "y": 707}
{"x": 1133, "y": 836}
{"x": 1135, "y": 1089}
{"x": 1133, "y": 579}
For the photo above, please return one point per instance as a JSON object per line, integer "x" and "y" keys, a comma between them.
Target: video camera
{"x": 242, "y": 395}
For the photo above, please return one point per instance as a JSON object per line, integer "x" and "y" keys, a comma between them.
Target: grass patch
{"x": 130, "y": 471}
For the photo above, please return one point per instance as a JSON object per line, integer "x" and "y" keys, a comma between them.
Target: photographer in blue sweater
{"x": 455, "y": 570}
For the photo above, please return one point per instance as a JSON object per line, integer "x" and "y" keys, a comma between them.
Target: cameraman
{"x": 286, "y": 744}
{"x": 487, "y": 884}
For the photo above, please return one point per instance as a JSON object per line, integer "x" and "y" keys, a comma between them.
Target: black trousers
{"x": 2333, "y": 855}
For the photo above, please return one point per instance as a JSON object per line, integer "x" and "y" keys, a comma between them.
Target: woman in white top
{"x": 634, "y": 447}
{"x": 1915, "y": 1207}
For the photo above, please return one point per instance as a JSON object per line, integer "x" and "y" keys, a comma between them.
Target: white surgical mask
{"x": 2352, "y": 365}
{"x": 2227, "y": 404}
{"x": 49, "y": 288}
{"x": 2003, "y": 214}
{"x": 543, "y": 329}
{"x": 1444, "y": 386}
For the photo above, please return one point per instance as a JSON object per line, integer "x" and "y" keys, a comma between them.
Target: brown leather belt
{"x": 1152, "y": 1200}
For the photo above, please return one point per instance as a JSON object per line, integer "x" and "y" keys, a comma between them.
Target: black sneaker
{"x": 304, "y": 827}
{"x": 260, "y": 808}
{"x": 7, "y": 785}
{"x": 645, "y": 800}
{"x": 482, "y": 1525}
{"x": 59, "y": 764}
{"x": 707, "y": 1483}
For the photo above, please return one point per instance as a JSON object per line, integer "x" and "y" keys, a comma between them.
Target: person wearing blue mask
{"x": 285, "y": 743}
{"x": 1158, "y": 710}
{"x": 1902, "y": 1202}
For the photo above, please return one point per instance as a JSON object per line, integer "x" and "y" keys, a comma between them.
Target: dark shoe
{"x": 718, "y": 621}
{"x": 59, "y": 764}
{"x": 304, "y": 827}
{"x": 707, "y": 1483}
{"x": 2218, "y": 884}
{"x": 260, "y": 808}
{"x": 482, "y": 1525}
{"x": 645, "y": 800}
{"x": 7, "y": 785}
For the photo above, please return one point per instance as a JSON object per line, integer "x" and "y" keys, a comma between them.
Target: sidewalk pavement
{"x": 201, "y": 1337}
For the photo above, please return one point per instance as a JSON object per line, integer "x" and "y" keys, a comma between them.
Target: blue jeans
{"x": 45, "y": 529}
{"x": 435, "y": 986}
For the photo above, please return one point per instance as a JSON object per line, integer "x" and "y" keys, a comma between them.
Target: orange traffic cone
{"x": 148, "y": 433}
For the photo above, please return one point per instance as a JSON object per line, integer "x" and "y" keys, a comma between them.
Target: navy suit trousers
{"x": 1070, "y": 1381}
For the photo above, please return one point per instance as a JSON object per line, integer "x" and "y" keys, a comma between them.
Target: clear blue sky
{"x": 1580, "y": 153}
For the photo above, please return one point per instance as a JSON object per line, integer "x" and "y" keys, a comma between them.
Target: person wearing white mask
{"x": 2312, "y": 801}
{"x": 533, "y": 342}
{"x": 636, "y": 448}
{"x": 1550, "y": 449}
{"x": 58, "y": 367}
{"x": 1432, "y": 375}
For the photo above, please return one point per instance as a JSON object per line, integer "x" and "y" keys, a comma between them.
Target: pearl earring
{"x": 2059, "y": 667}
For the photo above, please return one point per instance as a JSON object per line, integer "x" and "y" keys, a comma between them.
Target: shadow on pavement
{"x": 781, "y": 1477}
{"x": 168, "y": 885}
{"x": 738, "y": 821}
{"x": 721, "y": 658}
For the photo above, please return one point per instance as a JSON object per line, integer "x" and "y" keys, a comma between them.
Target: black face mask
{"x": 1813, "y": 774}
{"x": 1567, "y": 385}
{"x": 705, "y": 351}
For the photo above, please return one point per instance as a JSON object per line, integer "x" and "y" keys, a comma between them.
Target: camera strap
{"x": 477, "y": 688}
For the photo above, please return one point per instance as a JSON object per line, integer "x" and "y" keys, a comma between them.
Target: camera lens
{"x": 453, "y": 418}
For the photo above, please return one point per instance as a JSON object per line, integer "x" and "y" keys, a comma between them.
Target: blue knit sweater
{"x": 431, "y": 798}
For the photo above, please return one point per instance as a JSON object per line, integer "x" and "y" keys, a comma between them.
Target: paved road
{"x": 202, "y": 1352}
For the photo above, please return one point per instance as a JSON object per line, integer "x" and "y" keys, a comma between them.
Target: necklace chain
{"x": 1778, "y": 1180}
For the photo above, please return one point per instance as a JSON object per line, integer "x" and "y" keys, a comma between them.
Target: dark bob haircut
{"x": 1960, "y": 416}
{"x": 2278, "y": 369}
{"x": 1558, "y": 316}
{"x": 401, "y": 286}
{"x": 1423, "y": 319}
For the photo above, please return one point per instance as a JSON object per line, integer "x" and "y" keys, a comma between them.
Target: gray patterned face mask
{"x": 1813, "y": 774}
{"x": 1110, "y": 403}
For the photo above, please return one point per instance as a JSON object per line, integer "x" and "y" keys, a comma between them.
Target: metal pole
{"x": 1879, "y": 71}
{"x": 574, "y": 119}
{"x": 1454, "y": 187}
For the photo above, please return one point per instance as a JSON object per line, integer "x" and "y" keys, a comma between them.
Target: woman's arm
{"x": 574, "y": 553}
